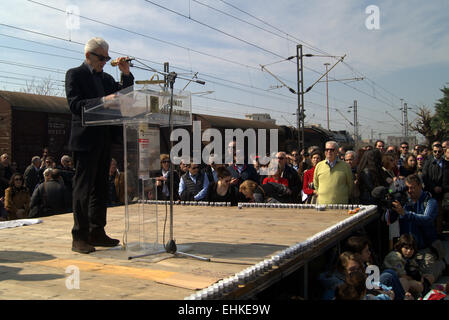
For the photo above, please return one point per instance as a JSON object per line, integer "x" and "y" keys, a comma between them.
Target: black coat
{"x": 231, "y": 196}
{"x": 294, "y": 182}
{"x": 248, "y": 173}
{"x": 32, "y": 178}
{"x": 160, "y": 194}
{"x": 49, "y": 198}
{"x": 82, "y": 92}
{"x": 446, "y": 176}
{"x": 432, "y": 176}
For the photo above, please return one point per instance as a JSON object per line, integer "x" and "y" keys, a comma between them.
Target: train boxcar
{"x": 30, "y": 122}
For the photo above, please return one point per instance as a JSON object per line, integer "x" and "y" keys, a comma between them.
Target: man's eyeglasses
{"x": 329, "y": 150}
{"x": 404, "y": 147}
{"x": 166, "y": 161}
{"x": 437, "y": 151}
{"x": 101, "y": 57}
{"x": 193, "y": 168}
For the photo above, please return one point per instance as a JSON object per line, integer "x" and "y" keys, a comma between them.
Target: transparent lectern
{"x": 141, "y": 112}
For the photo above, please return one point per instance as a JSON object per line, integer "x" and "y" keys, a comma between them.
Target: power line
{"x": 270, "y": 25}
{"x": 215, "y": 29}
{"x": 149, "y": 37}
{"x": 180, "y": 47}
{"x": 205, "y": 76}
{"x": 308, "y": 46}
{"x": 170, "y": 43}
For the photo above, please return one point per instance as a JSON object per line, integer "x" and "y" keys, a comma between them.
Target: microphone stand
{"x": 171, "y": 247}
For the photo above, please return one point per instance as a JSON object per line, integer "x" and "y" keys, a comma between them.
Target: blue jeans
{"x": 390, "y": 278}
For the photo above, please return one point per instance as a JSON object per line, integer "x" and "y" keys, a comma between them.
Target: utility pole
{"x": 403, "y": 117}
{"x": 327, "y": 94}
{"x": 300, "y": 92}
{"x": 356, "y": 124}
{"x": 405, "y": 120}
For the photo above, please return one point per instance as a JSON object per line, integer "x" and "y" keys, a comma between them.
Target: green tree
{"x": 441, "y": 119}
{"x": 434, "y": 127}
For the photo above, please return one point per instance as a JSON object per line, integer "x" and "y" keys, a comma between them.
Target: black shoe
{"x": 82, "y": 246}
{"x": 102, "y": 240}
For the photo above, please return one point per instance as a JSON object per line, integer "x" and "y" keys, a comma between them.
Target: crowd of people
{"x": 43, "y": 189}
{"x": 412, "y": 217}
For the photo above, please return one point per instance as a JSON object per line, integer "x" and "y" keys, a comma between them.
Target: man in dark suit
{"x": 88, "y": 86}
{"x": 31, "y": 174}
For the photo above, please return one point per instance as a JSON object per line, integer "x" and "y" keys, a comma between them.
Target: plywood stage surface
{"x": 36, "y": 261}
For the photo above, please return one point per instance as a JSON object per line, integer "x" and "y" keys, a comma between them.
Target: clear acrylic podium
{"x": 141, "y": 112}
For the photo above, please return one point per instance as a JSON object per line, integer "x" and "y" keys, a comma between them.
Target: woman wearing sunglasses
{"x": 17, "y": 198}
{"x": 163, "y": 180}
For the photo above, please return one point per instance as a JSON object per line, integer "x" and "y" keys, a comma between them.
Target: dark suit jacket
{"x": 160, "y": 194}
{"x": 82, "y": 92}
{"x": 32, "y": 178}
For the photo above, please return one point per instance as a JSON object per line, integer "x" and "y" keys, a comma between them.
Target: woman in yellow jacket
{"x": 17, "y": 198}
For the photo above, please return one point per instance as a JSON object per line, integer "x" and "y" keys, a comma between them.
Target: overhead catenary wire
{"x": 193, "y": 50}
{"x": 308, "y": 46}
{"x": 247, "y": 66}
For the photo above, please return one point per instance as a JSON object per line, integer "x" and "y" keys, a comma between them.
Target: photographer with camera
{"x": 418, "y": 217}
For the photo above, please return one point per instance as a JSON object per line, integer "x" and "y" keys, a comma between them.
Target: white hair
{"x": 48, "y": 172}
{"x": 334, "y": 143}
{"x": 351, "y": 152}
{"x": 95, "y": 43}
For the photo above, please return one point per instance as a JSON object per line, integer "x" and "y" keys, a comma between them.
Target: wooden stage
{"x": 36, "y": 261}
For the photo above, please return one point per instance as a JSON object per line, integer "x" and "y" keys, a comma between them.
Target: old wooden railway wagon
{"x": 30, "y": 122}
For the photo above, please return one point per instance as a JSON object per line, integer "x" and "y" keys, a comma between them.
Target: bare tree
{"x": 46, "y": 87}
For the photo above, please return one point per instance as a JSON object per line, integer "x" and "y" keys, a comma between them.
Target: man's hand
{"x": 123, "y": 65}
{"x": 110, "y": 97}
{"x": 398, "y": 208}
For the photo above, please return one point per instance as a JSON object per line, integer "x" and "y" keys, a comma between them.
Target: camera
{"x": 397, "y": 191}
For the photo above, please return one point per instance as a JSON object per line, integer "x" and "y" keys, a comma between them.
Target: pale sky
{"x": 227, "y": 41}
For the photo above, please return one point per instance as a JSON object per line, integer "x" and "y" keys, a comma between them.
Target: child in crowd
{"x": 403, "y": 260}
{"x": 347, "y": 263}
{"x": 354, "y": 288}
{"x": 361, "y": 245}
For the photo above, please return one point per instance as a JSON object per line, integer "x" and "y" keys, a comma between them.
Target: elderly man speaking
{"x": 332, "y": 178}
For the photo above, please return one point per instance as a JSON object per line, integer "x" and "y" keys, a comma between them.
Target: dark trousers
{"x": 90, "y": 191}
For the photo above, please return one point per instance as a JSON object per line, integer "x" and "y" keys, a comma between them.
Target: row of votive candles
{"x": 225, "y": 286}
{"x": 297, "y": 206}
{"x": 241, "y": 205}
{"x": 190, "y": 203}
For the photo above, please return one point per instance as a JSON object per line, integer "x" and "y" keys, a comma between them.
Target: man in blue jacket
{"x": 418, "y": 217}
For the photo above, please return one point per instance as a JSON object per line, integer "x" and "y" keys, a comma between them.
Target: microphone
{"x": 115, "y": 61}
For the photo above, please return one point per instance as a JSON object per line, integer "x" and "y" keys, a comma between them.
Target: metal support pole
{"x": 405, "y": 120}
{"x": 300, "y": 92}
{"x": 327, "y": 94}
{"x": 356, "y": 125}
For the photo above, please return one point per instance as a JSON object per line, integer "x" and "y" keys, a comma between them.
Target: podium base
{"x": 171, "y": 248}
